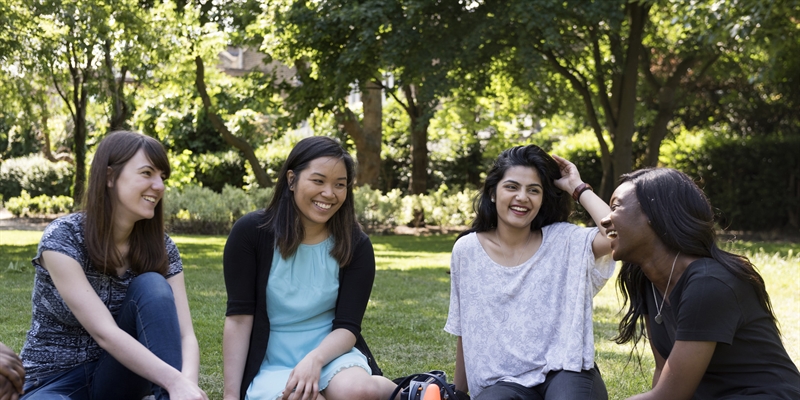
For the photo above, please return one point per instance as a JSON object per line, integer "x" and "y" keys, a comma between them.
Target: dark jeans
{"x": 558, "y": 385}
{"x": 148, "y": 314}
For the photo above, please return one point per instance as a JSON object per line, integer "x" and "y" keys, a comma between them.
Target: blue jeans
{"x": 148, "y": 314}
{"x": 558, "y": 385}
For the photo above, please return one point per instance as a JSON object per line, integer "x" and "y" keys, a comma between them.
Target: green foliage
{"x": 183, "y": 169}
{"x": 216, "y": 170}
{"x": 751, "y": 181}
{"x": 36, "y": 175}
{"x": 15, "y": 142}
{"x": 582, "y": 150}
{"x": 374, "y": 209}
{"x": 200, "y": 210}
{"x": 39, "y": 206}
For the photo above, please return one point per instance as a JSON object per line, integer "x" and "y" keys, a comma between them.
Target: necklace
{"x": 659, "y": 308}
{"x": 523, "y": 249}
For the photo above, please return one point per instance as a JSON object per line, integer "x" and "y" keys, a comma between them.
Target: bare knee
{"x": 357, "y": 385}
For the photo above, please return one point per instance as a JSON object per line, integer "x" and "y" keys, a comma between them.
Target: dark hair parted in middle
{"x": 556, "y": 205}
{"x": 682, "y": 218}
{"x": 283, "y": 217}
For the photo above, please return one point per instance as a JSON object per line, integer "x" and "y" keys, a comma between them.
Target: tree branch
{"x": 600, "y": 81}
{"x": 240, "y": 144}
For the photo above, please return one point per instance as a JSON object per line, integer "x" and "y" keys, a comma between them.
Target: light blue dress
{"x": 301, "y": 304}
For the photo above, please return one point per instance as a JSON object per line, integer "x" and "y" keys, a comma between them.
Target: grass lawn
{"x": 408, "y": 309}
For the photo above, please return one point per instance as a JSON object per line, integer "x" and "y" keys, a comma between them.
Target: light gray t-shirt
{"x": 519, "y": 323}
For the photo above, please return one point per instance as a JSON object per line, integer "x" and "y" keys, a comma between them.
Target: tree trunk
{"x": 418, "y": 184}
{"x": 80, "y": 142}
{"x": 369, "y": 152}
{"x": 666, "y": 110}
{"x": 624, "y": 129}
{"x": 367, "y": 135}
{"x": 261, "y": 175}
{"x": 44, "y": 132}
{"x": 116, "y": 91}
{"x": 668, "y": 98}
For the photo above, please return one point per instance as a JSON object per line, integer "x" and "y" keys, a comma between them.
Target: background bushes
{"x": 40, "y": 206}
{"x": 752, "y": 182}
{"x": 36, "y": 175}
{"x": 200, "y": 210}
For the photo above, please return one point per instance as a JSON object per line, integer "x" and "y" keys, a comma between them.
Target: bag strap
{"x": 443, "y": 385}
{"x": 439, "y": 381}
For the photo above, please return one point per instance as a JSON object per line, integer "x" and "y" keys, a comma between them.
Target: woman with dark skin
{"x": 706, "y": 312}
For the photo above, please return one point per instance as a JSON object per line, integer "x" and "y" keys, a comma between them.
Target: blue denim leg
{"x": 72, "y": 384}
{"x": 148, "y": 314}
{"x": 568, "y": 385}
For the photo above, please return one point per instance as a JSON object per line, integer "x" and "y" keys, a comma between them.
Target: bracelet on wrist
{"x": 576, "y": 195}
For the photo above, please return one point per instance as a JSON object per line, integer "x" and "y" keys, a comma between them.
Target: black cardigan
{"x": 246, "y": 263}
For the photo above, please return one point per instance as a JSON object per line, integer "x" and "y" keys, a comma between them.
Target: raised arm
{"x": 592, "y": 203}
{"x": 93, "y": 315}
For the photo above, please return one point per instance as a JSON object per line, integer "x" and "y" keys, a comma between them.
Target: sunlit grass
{"x": 408, "y": 308}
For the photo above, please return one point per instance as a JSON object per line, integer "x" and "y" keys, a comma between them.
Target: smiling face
{"x": 319, "y": 190}
{"x": 138, "y": 189}
{"x": 627, "y": 226}
{"x": 518, "y": 197}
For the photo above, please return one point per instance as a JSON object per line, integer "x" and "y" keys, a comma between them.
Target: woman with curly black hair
{"x": 523, "y": 280}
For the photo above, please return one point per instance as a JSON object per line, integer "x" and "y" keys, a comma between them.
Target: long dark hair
{"x": 282, "y": 216}
{"x": 556, "y": 205}
{"x": 146, "y": 251}
{"x": 682, "y": 217}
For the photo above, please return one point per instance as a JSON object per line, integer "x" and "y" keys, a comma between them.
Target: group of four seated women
{"x": 111, "y": 317}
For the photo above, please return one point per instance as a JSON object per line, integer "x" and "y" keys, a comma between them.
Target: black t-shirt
{"x": 709, "y": 303}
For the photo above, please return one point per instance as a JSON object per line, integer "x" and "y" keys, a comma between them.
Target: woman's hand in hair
{"x": 570, "y": 177}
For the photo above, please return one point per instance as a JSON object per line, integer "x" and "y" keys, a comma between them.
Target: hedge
{"x": 36, "y": 175}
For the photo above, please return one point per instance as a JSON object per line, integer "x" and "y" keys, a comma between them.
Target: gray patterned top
{"x": 518, "y": 323}
{"x": 56, "y": 341}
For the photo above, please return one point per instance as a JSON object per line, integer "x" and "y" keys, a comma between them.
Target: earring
{"x": 492, "y": 199}
{"x": 291, "y": 187}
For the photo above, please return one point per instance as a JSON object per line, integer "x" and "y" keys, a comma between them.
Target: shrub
{"x": 374, "y": 209}
{"x": 199, "y": 210}
{"x": 443, "y": 207}
{"x": 39, "y": 206}
{"x": 36, "y": 175}
{"x": 753, "y": 182}
{"x": 215, "y": 170}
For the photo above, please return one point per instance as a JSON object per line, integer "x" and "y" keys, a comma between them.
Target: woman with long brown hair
{"x": 705, "y": 311}
{"x": 110, "y": 313}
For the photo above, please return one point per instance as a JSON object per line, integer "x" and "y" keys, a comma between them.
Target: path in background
{"x": 10, "y": 223}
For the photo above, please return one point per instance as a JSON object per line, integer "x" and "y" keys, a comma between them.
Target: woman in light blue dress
{"x": 299, "y": 275}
